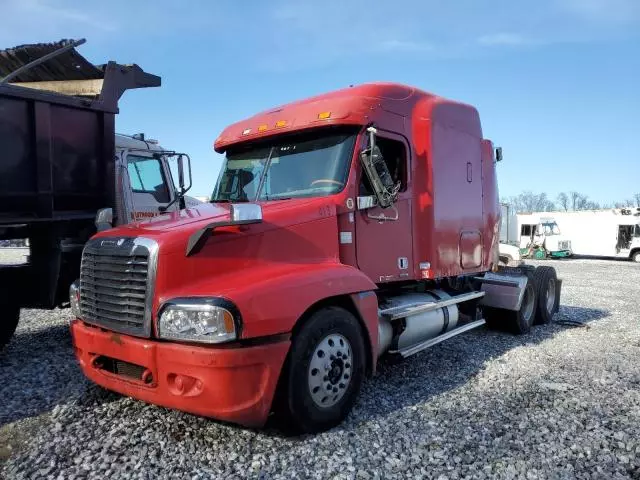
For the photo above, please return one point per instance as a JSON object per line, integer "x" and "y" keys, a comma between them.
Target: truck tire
{"x": 545, "y": 280}
{"x": 9, "y": 316}
{"x": 635, "y": 256}
{"x": 520, "y": 321}
{"x": 324, "y": 371}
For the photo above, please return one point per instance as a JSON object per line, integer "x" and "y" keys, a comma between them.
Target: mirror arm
{"x": 372, "y": 137}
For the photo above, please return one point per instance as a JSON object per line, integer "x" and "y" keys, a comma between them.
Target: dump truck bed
{"x": 58, "y": 156}
{"x": 57, "y": 133}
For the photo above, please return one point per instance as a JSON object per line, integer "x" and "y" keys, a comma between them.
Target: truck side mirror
{"x": 180, "y": 173}
{"x": 182, "y": 187}
{"x": 181, "y": 183}
{"x": 499, "y": 154}
{"x": 377, "y": 172}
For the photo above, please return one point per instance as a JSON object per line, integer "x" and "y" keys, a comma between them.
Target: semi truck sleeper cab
{"x": 345, "y": 226}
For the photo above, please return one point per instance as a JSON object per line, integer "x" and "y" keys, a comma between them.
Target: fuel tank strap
{"x": 445, "y": 314}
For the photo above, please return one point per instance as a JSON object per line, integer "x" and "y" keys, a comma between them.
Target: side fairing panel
{"x": 458, "y": 231}
{"x": 491, "y": 208}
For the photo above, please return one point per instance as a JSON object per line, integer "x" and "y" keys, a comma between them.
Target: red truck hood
{"x": 172, "y": 230}
{"x": 292, "y": 235}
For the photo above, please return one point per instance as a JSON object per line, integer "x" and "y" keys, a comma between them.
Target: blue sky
{"x": 557, "y": 85}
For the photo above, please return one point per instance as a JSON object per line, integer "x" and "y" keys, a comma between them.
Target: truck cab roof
{"x": 355, "y": 105}
{"x": 128, "y": 141}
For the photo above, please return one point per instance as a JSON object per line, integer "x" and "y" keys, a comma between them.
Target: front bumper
{"x": 229, "y": 383}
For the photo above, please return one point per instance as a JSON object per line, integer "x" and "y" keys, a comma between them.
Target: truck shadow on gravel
{"x": 402, "y": 383}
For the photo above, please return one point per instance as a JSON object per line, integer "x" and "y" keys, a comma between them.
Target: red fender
{"x": 271, "y": 298}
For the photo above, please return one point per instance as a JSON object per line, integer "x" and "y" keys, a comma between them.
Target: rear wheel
{"x": 9, "y": 316}
{"x": 324, "y": 371}
{"x": 545, "y": 280}
{"x": 636, "y": 256}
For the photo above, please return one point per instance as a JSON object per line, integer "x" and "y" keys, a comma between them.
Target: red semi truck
{"x": 345, "y": 226}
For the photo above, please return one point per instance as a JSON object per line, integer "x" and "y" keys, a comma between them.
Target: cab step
{"x": 404, "y": 311}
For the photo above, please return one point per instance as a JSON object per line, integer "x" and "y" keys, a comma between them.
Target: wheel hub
{"x": 330, "y": 370}
{"x": 335, "y": 370}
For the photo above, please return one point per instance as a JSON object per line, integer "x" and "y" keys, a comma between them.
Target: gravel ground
{"x": 561, "y": 402}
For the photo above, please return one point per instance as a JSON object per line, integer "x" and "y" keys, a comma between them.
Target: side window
{"x": 525, "y": 230}
{"x": 395, "y": 156}
{"x": 146, "y": 176}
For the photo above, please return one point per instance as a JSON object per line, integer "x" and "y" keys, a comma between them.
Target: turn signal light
{"x": 324, "y": 115}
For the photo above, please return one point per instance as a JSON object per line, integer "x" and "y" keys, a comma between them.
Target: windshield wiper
{"x": 264, "y": 174}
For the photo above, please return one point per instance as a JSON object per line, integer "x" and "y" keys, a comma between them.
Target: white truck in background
{"x": 509, "y": 247}
{"x": 144, "y": 176}
{"x": 611, "y": 233}
{"x": 541, "y": 236}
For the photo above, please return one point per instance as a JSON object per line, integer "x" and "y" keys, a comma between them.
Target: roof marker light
{"x": 324, "y": 115}
{"x": 262, "y": 128}
{"x": 281, "y": 123}
{"x": 246, "y": 131}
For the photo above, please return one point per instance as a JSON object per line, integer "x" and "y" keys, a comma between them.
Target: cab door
{"x": 384, "y": 245}
{"x": 150, "y": 187}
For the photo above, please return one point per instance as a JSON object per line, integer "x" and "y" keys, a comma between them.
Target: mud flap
{"x": 558, "y": 290}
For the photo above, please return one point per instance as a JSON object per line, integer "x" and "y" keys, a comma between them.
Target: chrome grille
{"x": 116, "y": 282}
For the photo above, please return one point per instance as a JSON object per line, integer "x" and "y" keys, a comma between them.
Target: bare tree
{"x": 528, "y": 202}
{"x": 582, "y": 203}
{"x": 563, "y": 201}
{"x": 575, "y": 198}
{"x": 637, "y": 198}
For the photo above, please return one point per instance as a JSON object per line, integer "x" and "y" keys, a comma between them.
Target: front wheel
{"x": 9, "y": 316}
{"x": 324, "y": 371}
{"x": 636, "y": 257}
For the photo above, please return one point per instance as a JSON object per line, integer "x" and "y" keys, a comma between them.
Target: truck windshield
{"x": 312, "y": 165}
{"x": 551, "y": 228}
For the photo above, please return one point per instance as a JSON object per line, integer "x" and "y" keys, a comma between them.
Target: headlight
{"x": 198, "y": 320}
{"x": 74, "y": 298}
